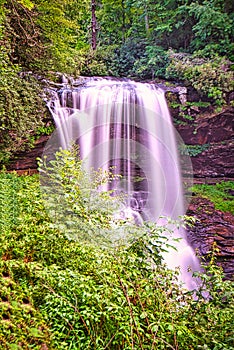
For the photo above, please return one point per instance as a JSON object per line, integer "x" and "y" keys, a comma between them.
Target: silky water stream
{"x": 126, "y": 126}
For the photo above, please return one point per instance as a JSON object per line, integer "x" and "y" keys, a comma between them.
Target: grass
{"x": 221, "y": 194}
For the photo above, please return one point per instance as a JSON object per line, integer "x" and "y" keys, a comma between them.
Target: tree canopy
{"x": 56, "y": 34}
{"x": 123, "y": 38}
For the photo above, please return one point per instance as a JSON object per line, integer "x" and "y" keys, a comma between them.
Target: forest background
{"x": 176, "y": 40}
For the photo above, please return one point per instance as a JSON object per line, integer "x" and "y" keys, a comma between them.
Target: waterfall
{"x": 126, "y": 125}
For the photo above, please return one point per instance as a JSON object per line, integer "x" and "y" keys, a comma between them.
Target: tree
{"x": 93, "y": 24}
{"x": 213, "y": 30}
{"x": 115, "y": 19}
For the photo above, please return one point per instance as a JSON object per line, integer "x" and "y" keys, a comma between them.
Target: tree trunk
{"x": 123, "y": 21}
{"x": 146, "y": 19}
{"x": 94, "y": 24}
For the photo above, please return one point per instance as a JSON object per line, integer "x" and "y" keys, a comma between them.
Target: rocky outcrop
{"x": 216, "y": 161}
{"x": 212, "y": 227}
{"x": 27, "y": 161}
{"x": 206, "y": 128}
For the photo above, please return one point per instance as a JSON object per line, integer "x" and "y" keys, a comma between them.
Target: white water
{"x": 127, "y": 125}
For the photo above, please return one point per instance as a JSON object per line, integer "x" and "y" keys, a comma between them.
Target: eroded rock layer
{"x": 212, "y": 227}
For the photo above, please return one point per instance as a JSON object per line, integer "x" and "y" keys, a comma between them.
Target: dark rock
{"x": 216, "y": 133}
{"x": 212, "y": 227}
{"x": 230, "y": 97}
{"x": 193, "y": 95}
{"x": 216, "y": 161}
{"x": 28, "y": 160}
{"x": 207, "y": 129}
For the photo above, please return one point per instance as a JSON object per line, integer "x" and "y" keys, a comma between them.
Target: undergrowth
{"x": 63, "y": 294}
{"x": 221, "y": 194}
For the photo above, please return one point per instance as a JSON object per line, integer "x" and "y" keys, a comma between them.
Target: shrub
{"x": 212, "y": 78}
{"x": 93, "y": 63}
{"x": 152, "y": 64}
{"x": 22, "y": 112}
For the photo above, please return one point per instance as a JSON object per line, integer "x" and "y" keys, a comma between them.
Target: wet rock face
{"x": 208, "y": 129}
{"x": 212, "y": 226}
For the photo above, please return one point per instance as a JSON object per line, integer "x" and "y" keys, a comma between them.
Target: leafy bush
{"x": 136, "y": 59}
{"x": 22, "y": 111}
{"x": 84, "y": 212}
{"x": 211, "y": 78}
{"x": 126, "y": 55}
{"x": 213, "y": 30}
{"x": 22, "y": 108}
{"x": 71, "y": 295}
{"x": 152, "y": 64}
{"x": 93, "y": 63}
{"x": 22, "y": 326}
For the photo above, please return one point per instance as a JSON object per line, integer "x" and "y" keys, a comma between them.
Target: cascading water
{"x": 127, "y": 126}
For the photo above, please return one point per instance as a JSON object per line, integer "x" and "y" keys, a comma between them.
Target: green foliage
{"x": 114, "y": 19}
{"x": 188, "y": 104}
{"x": 140, "y": 33}
{"x": 135, "y": 58}
{"x": 152, "y": 64}
{"x": 8, "y": 202}
{"x": 95, "y": 63}
{"x": 188, "y": 26}
{"x": 45, "y": 129}
{"x": 221, "y": 194}
{"x": 22, "y": 325}
{"x": 60, "y": 33}
{"x": 22, "y": 111}
{"x": 22, "y": 108}
{"x": 55, "y": 33}
{"x": 126, "y": 56}
{"x": 193, "y": 150}
{"x": 213, "y": 78}
{"x": 84, "y": 212}
{"x": 199, "y": 104}
{"x": 213, "y": 30}
{"x": 63, "y": 294}
{"x": 42, "y": 35}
